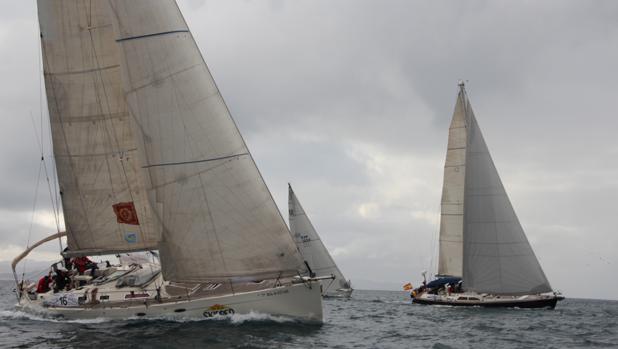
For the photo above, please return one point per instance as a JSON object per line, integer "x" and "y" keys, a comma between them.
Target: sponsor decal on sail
{"x": 130, "y": 237}
{"x": 126, "y": 213}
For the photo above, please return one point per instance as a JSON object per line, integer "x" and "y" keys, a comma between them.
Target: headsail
{"x": 219, "y": 219}
{"x": 312, "y": 248}
{"x": 94, "y": 147}
{"x": 497, "y": 256}
{"x": 451, "y": 219}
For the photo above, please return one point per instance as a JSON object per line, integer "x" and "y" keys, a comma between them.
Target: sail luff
{"x": 218, "y": 217}
{"x": 450, "y": 260}
{"x": 498, "y": 257}
{"x": 93, "y": 146}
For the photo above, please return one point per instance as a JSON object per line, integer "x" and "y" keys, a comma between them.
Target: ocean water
{"x": 371, "y": 319}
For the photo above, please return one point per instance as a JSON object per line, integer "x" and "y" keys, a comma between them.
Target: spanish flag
{"x": 407, "y": 287}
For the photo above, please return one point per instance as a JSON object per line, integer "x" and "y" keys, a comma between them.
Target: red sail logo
{"x": 125, "y": 213}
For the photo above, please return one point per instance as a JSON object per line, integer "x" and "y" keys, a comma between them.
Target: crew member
{"x": 43, "y": 285}
{"x": 84, "y": 263}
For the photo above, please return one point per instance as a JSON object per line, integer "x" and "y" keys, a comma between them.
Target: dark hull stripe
{"x": 541, "y": 303}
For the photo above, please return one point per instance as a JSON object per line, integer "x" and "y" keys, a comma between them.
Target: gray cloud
{"x": 351, "y": 100}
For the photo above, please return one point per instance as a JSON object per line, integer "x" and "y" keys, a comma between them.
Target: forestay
{"x": 93, "y": 145}
{"x": 312, "y": 248}
{"x": 219, "y": 219}
{"x": 498, "y": 258}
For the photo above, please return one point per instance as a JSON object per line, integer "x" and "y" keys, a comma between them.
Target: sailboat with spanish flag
{"x": 485, "y": 258}
{"x": 149, "y": 158}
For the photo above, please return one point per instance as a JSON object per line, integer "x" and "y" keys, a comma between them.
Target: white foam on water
{"x": 22, "y": 315}
{"x": 254, "y": 316}
{"x": 235, "y": 319}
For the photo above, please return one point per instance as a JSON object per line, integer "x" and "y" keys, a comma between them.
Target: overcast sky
{"x": 350, "y": 101}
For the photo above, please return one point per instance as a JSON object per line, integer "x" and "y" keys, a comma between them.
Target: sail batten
{"x": 218, "y": 218}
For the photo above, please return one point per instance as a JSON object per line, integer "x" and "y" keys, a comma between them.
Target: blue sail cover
{"x": 443, "y": 281}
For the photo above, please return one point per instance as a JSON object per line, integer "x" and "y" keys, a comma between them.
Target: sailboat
{"x": 149, "y": 158}
{"x": 314, "y": 252}
{"x": 485, "y": 258}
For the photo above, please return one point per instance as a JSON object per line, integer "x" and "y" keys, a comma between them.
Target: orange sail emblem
{"x": 125, "y": 213}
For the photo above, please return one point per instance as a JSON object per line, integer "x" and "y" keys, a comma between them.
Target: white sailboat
{"x": 485, "y": 258}
{"x": 314, "y": 252}
{"x": 149, "y": 158}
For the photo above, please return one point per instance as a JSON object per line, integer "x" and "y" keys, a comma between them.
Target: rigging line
{"x": 38, "y": 140}
{"x": 36, "y": 194}
{"x": 44, "y": 165}
{"x": 49, "y": 186}
{"x": 41, "y": 141}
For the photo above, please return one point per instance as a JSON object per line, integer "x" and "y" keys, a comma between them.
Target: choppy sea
{"x": 370, "y": 319}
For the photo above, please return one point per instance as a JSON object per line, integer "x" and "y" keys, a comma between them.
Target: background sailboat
{"x": 483, "y": 248}
{"x": 313, "y": 250}
{"x": 148, "y": 157}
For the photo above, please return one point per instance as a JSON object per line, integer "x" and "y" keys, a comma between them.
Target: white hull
{"x": 298, "y": 301}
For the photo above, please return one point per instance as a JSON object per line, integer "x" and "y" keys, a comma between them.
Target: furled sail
{"x": 218, "y": 218}
{"x": 497, "y": 257}
{"x": 312, "y": 249}
{"x": 451, "y": 219}
{"x": 103, "y": 195}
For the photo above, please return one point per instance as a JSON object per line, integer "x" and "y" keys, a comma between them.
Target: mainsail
{"x": 311, "y": 247}
{"x": 218, "y": 218}
{"x": 94, "y": 147}
{"x": 497, "y": 257}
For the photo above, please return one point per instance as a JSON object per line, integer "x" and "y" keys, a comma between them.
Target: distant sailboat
{"x": 313, "y": 250}
{"x": 485, "y": 258}
{"x": 149, "y": 158}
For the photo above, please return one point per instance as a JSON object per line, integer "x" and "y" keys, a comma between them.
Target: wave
{"x": 236, "y": 319}
{"x": 22, "y": 315}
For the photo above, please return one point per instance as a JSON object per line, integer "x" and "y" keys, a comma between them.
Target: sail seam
{"x": 83, "y": 71}
{"x": 92, "y": 118}
{"x": 152, "y": 34}
{"x": 195, "y": 161}
{"x": 112, "y": 153}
